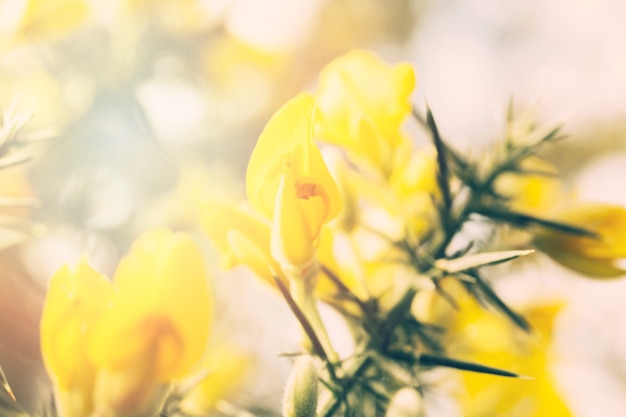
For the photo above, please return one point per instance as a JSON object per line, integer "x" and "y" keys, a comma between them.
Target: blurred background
{"x": 132, "y": 112}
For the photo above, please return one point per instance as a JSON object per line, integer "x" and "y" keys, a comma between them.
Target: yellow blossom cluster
{"x": 112, "y": 347}
{"x": 343, "y": 207}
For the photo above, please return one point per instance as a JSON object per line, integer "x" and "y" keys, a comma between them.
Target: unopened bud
{"x": 407, "y": 402}
{"x": 300, "y": 398}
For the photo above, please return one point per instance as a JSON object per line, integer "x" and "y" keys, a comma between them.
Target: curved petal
{"x": 163, "y": 310}
{"x": 288, "y": 129}
{"x": 219, "y": 220}
{"x": 286, "y": 146}
{"x": 75, "y": 300}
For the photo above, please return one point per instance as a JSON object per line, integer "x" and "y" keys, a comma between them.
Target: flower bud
{"x": 407, "y": 402}
{"x": 300, "y": 398}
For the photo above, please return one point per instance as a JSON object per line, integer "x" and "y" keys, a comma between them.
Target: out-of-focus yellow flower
{"x": 414, "y": 183}
{"x": 226, "y": 366}
{"x": 288, "y": 181}
{"x": 535, "y": 189}
{"x": 76, "y": 298}
{"x": 483, "y": 337}
{"x": 417, "y": 173}
{"x": 362, "y": 102}
{"x": 157, "y": 327}
{"x": 594, "y": 257}
{"x": 112, "y": 348}
{"x": 490, "y": 341}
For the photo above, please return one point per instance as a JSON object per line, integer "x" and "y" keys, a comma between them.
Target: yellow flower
{"x": 490, "y": 341}
{"x": 415, "y": 187}
{"x": 594, "y": 257}
{"x": 480, "y": 336}
{"x": 288, "y": 181}
{"x": 362, "y": 103}
{"x": 157, "y": 327}
{"x": 111, "y": 348}
{"x": 76, "y": 298}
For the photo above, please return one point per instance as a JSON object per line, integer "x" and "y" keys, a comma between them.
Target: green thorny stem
{"x": 393, "y": 337}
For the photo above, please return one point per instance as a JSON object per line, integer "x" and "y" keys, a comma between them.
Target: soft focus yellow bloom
{"x": 157, "y": 327}
{"x": 491, "y": 342}
{"x": 414, "y": 184}
{"x": 488, "y": 338}
{"x": 162, "y": 288}
{"x": 288, "y": 181}
{"x": 76, "y": 298}
{"x": 111, "y": 348}
{"x": 535, "y": 189}
{"x": 361, "y": 104}
{"x": 242, "y": 237}
{"x": 416, "y": 173}
{"x": 595, "y": 257}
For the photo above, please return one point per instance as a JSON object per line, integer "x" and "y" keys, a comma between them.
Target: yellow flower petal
{"x": 361, "y": 105}
{"x": 220, "y": 219}
{"x": 163, "y": 310}
{"x": 286, "y": 144}
{"x": 256, "y": 258}
{"x": 489, "y": 339}
{"x": 293, "y": 235}
{"x": 75, "y": 301}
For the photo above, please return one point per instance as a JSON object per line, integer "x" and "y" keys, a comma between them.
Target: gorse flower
{"x": 288, "y": 181}
{"x": 291, "y": 189}
{"x": 122, "y": 342}
{"x": 361, "y": 104}
{"x": 76, "y": 298}
{"x": 293, "y": 196}
{"x": 592, "y": 256}
{"x": 489, "y": 339}
{"x": 406, "y": 209}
